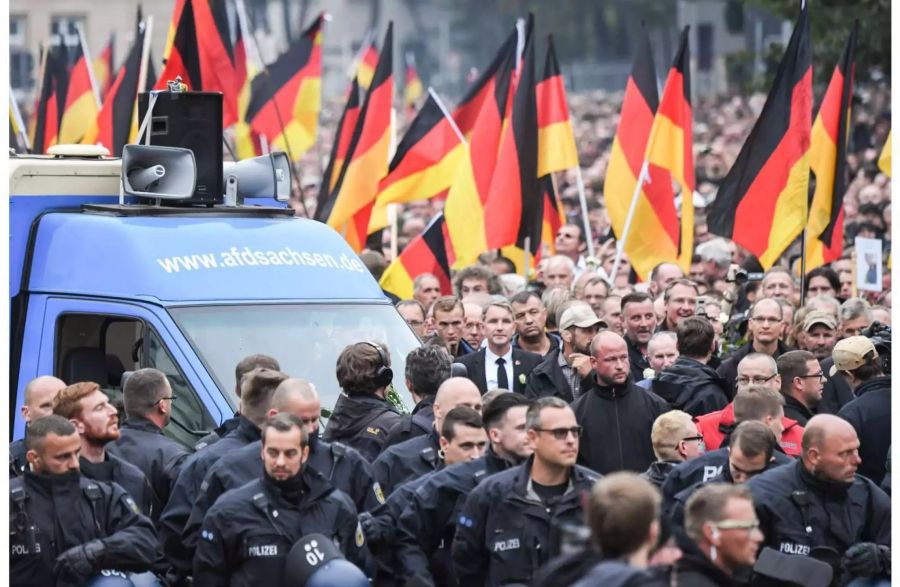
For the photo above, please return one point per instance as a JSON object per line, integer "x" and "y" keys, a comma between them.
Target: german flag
{"x": 246, "y": 143}
{"x": 343, "y": 134}
{"x": 368, "y": 61}
{"x": 103, "y": 66}
{"x": 412, "y": 87}
{"x": 884, "y": 160}
{"x": 50, "y": 99}
{"x": 556, "y": 141}
{"x": 366, "y": 161}
{"x": 762, "y": 202}
{"x": 200, "y": 54}
{"x": 514, "y": 203}
{"x": 285, "y": 99}
{"x": 80, "y": 106}
{"x": 480, "y": 115}
{"x": 113, "y": 125}
{"x": 18, "y": 136}
{"x": 554, "y": 215}
{"x": 427, "y": 253}
{"x": 670, "y": 150}
{"x": 828, "y": 161}
{"x": 423, "y": 165}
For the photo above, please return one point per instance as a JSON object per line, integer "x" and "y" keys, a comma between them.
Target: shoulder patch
{"x": 373, "y": 431}
{"x": 379, "y": 493}
{"x": 360, "y": 537}
{"x": 130, "y": 502}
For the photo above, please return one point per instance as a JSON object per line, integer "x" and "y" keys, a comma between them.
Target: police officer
{"x": 362, "y": 417}
{"x": 257, "y": 388}
{"x": 509, "y": 525}
{"x": 246, "y": 365}
{"x": 417, "y": 456}
{"x": 426, "y": 526}
{"x": 39, "y": 395}
{"x": 821, "y": 501}
{"x": 148, "y": 407}
{"x": 97, "y": 423}
{"x": 65, "y": 528}
{"x": 250, "y": 530}
{"x": 426, "y": 368}
{"x": 345, "y": 468}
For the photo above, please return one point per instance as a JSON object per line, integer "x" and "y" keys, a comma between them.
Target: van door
{"x": 100, "y": 341}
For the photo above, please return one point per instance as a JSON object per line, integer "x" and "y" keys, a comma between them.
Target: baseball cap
{"x": 579, "y": 315}
{"x": 850, "y": 353}
{"x": 819, "y": 317}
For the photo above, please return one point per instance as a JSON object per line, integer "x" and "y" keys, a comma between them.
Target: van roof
{"x": 196, "y": 258}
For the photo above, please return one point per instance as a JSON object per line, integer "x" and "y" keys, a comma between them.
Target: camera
{"x": 880, "y": 335}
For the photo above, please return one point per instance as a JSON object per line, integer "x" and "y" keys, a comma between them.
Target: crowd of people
{"x": 706, "y": 428}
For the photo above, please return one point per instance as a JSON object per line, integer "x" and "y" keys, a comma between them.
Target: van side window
{"x": 190, "y": 419}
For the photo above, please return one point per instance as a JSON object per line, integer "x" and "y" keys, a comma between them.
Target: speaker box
{"x": 190, "y": 120}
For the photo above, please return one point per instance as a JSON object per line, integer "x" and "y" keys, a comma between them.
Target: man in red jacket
{"x": 754, "y": 369}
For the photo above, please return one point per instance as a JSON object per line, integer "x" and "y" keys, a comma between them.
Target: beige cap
{"x": 850, "y": 353}
{"x": 819, "y": 317}
{"x": 579, "y": 315}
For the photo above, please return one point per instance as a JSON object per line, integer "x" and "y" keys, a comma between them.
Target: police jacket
{"x": 617, "y": 422}
{"x": 407, "y": 460}
{"x": 703, "y": 469}
{"x": 636, "y": 360}
{"x": 797, "y": 410}
{"x": 798, "y": 512}
{"x": 219, "y": 433}
{"x": 690, "y": 386}
{"x": 129, "y": 477}
{"x": 870, "y": 415}
{"x": 548, "y": 379}
{"x": 17, "y": 460}
{"x": 728, "y": 369}
{"x": 658, "y": 471}
{"x": 187, "y": 487}
{"x": 144, "y": 445}
{"x": 345, "y": 468}
{"x": 50, "y": 514}
{"x": 505, "y": 532}
{"x": 250, "y": 530}
{"x": 418, "y": 423}
{"x": 361, "y": 422}
{"x": 426, "y": 527}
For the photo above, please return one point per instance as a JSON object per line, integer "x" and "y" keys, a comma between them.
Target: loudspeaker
{"x": 268, "y": 176}
{"x": 190, "y": 120}
{"x": 150, "y": 171}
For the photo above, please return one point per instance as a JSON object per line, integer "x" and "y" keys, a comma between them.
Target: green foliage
{"x": 831, "y": 21}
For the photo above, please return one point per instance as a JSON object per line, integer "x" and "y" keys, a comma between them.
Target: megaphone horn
{"x": 151, "y": 171}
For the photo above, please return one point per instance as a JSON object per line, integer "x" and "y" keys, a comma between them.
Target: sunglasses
{"x": 562, "y": 433}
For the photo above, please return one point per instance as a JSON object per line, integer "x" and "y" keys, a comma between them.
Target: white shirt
{"x": 490, "y": 367}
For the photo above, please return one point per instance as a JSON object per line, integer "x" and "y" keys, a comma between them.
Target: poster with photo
{"x": 869, "y": 263}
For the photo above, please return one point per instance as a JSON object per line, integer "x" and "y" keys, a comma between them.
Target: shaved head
{"x": 39, "y": 395}
{"x": 831, "y": 449}
{"x": 455, "y": 392}
{"x": 822, "y": 426}
{"x": 298, "y": 398}
{"x": 606, "y": 338}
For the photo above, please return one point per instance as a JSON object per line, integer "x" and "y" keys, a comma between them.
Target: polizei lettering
{"x": 504, "y": 545}
{"x": 263, "y": 550}
{"x": 789, "y": 548}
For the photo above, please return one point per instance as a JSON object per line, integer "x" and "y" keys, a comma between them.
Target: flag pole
{"x": 579, "y": 181}
{"x": 527, "y": 260}
{"x": 45, "y": 50}
{"x": 23, "y": 132}
{"x": 448, "y": 116}
{"x": 620, "y": 245}
{"x": 89, "y": 64}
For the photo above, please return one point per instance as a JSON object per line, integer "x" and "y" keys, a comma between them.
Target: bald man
{"x": 346, "y": 468}
{"x": 417, "y": 456}
{"x": 39, "y": 395}
{"x": 616, "y": 416}
{"x": 821, "y": 501}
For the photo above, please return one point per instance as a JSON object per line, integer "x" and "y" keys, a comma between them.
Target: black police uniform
{"x": 220, "y": 432}
{"x": 418, "y": 423}
{"x": 17, "y": 460}
{"x": 657, "y": 472}
{"x": 426, "y": 527}
{"x": 505, "y": 531}
{"x": 870, "y": 415}
{"x": 798, "y": 512}
{"x": 143, "y": 444}
{"x": 249, "y": 532}
{"x": 361, "y": 422}
{"x": 345, "y": 468}
{"x": 407, "y": 460}
{"x": 187, "y": 487}
{"x": 51, "y": 514}
{"x": 132, "y": 480}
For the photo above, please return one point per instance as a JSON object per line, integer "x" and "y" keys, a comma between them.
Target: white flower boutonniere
{"x": 649, "y": 373}
{"x": 522, "y": 378}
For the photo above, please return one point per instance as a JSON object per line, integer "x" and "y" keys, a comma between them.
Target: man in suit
{"x": 499, "y": 365}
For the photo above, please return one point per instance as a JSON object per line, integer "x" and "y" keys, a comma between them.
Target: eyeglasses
{"x": 819, "y": 375}
{"x": 758, "y": 380}
{"x": 698, "y": 438}
{"x": 562, "y": 433}
{"x": 171, "y": 398}
{"x": 746, "y": 525}
{"x": 766, "y": 319}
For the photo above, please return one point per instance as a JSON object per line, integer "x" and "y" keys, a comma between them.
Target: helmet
{"x": 109, "y": 578}
{"x": 338, "y": 572}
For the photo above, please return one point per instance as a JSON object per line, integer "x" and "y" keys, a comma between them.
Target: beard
{"x": 102, "y": 436}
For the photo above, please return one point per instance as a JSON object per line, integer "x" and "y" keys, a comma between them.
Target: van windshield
{"x": 305, "y": 339}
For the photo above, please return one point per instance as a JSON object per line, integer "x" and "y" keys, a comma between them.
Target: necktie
{"x": 502, "y": 379}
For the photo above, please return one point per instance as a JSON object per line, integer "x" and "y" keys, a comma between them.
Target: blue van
{"x": 98, "y": 289}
